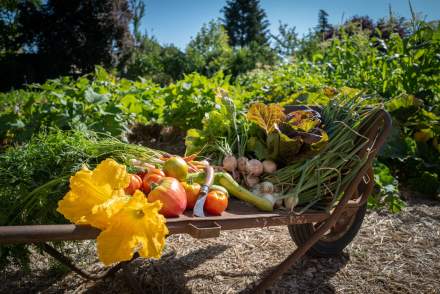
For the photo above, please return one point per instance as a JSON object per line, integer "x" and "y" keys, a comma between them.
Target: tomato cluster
{"x": 169, "y": 187}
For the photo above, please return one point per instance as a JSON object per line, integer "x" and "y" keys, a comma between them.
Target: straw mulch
{"x": 392, "y": 254}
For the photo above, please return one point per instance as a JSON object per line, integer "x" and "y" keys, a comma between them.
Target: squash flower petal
{"x": 137, "y": 226}
{"x": 91, "y": 188}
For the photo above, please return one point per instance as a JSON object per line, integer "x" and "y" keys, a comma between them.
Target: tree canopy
{"x": 246, "y": 22}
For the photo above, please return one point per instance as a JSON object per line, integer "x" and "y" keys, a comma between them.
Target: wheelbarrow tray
{"x": 239, "y": 215}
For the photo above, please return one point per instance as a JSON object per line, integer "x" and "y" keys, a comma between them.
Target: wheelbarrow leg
{"x": 67, "y": 262}
{"x": 300, "y": 251}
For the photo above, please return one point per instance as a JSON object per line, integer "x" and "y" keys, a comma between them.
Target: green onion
{"x": 321, "y": 179}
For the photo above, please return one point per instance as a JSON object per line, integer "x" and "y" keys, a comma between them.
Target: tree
{"x": 9, "y": 29}
{"x": 150, "y": 60}
{"x": 138, "y": 9}
{"x": 360, "y": 22}
{"x": 209, "y": 51}
{"x": 393, "y": 24}
{"x": 245, "y": 21}
{"x": 323, "y": 24}
{"x": 78, "y": 34}
{"x": 286, "y": 42}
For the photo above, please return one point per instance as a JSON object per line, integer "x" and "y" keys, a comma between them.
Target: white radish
{"x": 269, "y": 197}
{"x": 269, "y": 166}
{"x": 266, "y": 187}
{"x": 254, "y": 167}
{"x": 242, "y": 163}
{"x": 230, "y": 163}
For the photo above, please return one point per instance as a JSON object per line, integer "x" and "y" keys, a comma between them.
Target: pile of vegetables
{"x": 298, "y": 155}
{"x": 171, "y": 184}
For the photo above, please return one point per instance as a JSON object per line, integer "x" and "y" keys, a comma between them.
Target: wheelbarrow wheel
{"x": 334, "y": 242}
{"x": 342, "y": 233}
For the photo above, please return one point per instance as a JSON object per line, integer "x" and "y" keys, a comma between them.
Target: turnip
{"x": 254, "y": 167}
{"x": 251, "y": 180}
{"x": 242, "y": 163}
{"x": 230, "y": 163}
{"x": 269, "y": 166}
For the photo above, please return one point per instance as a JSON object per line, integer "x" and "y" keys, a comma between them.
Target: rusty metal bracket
{"x": 205, "y": 231}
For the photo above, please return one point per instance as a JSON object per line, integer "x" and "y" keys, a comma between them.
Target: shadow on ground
{"x": 166, "y": 275}
{"x": 309, "y": 275}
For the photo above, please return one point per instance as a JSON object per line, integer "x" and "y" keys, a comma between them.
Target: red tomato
{"x": 149, "y": 179}
{"x": 141, "y": 174}
{"x": 192, "y": 193}
{"x": 216, "y": 202}
{"x": 135, "y": 184}
{"x": 172, "y": 195}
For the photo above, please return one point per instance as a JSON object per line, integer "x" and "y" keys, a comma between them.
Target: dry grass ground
{"x": 392, "y": 254}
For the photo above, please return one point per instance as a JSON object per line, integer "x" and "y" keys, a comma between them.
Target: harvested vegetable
{"x": 151, "y": 179}
{"x": 269, "y": 166}
{"x": 230, "y": 163}
{"x": 321, "y": 179}
{"x": 282, "y": 138}
{"x": 216, "y": 202}
{"x": 135, "y": 184}
{"x": 171, "y": 194}
{"x": 242, "y": 164}
{"x": 176, "y": 167}
{"x": 266, "y": 187}
{"x": 254, "y": 167}
{"x": 224, "y": 179}
{"x": 251, "y": 180}
{"x": 269, "y": 197}
{"x": 192, "y": 193}
{"x": 266, "y": 116}
{"x": 219, "y": 188}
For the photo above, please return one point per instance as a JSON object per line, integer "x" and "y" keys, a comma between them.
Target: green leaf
{"x": 403, "y": 101}
{"x": 92, "y": 97}
{"x": 266, "y": 116}
{"x": 302, "y": 120}
{"x": 193, "y": 141}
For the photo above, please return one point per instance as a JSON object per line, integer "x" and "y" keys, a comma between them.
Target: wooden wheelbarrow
{"x": 315, "y": 232}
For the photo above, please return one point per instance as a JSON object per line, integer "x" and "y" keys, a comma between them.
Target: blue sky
{"x": 176, "y": 21}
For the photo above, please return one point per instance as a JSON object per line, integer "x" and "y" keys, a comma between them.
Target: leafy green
{"x": 388, "y": 193}
{"x": 266, "y": 117}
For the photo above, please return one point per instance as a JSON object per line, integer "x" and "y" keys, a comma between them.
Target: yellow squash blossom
{"x": 127, "y": 223}
{"x": 138, "y": 225}
{"x": 91, "y": 188}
